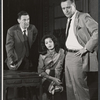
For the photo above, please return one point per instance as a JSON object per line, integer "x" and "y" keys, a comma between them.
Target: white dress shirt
{"x": 23, "y": 32}
{"x": 72, "y": 42}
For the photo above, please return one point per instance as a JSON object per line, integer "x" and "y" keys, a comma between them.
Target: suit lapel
{"x": 19, "y": 33}
{"x": 29, "y": 36}
{"x": 76, "y": 29}
{"x": 76, "y": 22}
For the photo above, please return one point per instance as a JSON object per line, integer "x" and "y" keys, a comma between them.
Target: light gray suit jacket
{"x": 86, "y": 32}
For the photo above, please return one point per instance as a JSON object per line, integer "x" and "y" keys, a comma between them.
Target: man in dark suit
{"x": 19, "y": 41}
{"x": 81, "y": 50}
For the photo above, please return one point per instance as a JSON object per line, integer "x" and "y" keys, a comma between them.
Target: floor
{"x": 92, "y": 83}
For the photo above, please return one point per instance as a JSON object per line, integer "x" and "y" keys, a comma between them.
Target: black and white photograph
{"x": 49, "y": 50}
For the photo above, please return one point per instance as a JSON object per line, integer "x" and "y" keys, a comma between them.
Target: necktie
{"x": 67, "y": 32}
{"x": 68, "y": 28}
{"x": 26, "y": 43}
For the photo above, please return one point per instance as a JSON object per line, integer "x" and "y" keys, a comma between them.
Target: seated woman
{"x": 50, "y": 66}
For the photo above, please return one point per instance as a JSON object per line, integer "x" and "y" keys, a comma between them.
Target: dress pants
{"x": 25, "y": 65}
{"x": 25, "y": 92}
{"x": 75, "y": 78}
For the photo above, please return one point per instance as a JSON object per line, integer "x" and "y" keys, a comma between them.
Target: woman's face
{"x": 49, "y": 43}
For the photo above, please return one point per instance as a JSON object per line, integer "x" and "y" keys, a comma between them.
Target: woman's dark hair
{"x": 54, "y": 39}
{"x": 22, "y": 13}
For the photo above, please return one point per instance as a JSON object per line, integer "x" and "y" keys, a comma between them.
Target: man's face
{"x": 68, "y": 8}
{"x": 24, "y": 21}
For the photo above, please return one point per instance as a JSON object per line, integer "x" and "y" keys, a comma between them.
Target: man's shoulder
{"x": 14, "y": 27}
{"x": 31, "y": 26}
{"x": 82, "y": 14}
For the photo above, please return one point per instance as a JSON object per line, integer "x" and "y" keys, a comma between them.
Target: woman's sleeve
{"x": 41, "y": 69}
{"x": 59, "y": 66}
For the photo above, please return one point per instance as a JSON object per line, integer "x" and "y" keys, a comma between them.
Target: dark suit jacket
{"x": 86, "y": 32}
{"x": 15, "y": 46}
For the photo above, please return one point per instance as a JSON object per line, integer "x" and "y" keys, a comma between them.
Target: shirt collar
{"x": 23, "y": 29}
{"x": 73, "y": 15}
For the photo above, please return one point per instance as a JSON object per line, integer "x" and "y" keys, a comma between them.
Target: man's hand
{"x": 81, "y": 52}
{"x": 13, "y": 64}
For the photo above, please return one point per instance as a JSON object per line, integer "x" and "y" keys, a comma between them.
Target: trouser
{"x": 75, "y": 78}
{"x": 25, "y": 92}
{"x": 25, "y": 65}
{"x": 46, "y": 95}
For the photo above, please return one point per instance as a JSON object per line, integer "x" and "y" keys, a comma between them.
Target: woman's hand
{"x": 57, "y": 81}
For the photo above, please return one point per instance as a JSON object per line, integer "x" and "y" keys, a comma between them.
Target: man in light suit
{"x": 16, "y": 44}
{"x": 81, "y": 50}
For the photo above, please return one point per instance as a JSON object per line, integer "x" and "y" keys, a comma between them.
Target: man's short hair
{"x": 68, "y": 0}
{"x": 22, "y": 13}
